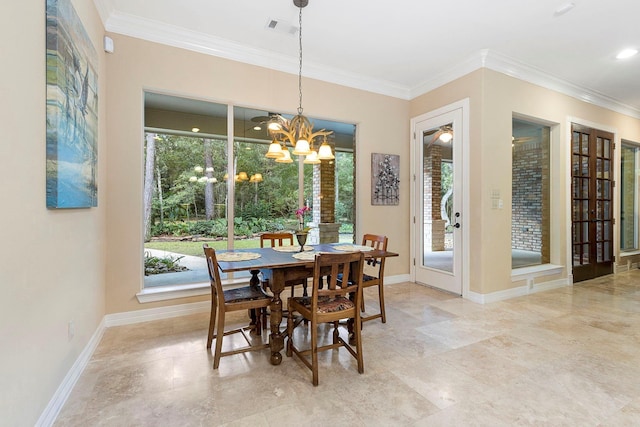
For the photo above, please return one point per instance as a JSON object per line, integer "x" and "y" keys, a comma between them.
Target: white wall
{"x": 51, "y": 261}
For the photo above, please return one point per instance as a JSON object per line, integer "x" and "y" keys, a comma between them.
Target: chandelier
{"x": 298, "y": 131}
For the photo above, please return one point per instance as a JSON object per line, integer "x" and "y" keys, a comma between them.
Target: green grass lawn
{"x": 195, "y": 248}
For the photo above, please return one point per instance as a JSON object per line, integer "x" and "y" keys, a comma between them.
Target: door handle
{"x": 457, "y": 224}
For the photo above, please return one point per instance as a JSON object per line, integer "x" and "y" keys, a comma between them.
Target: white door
{"x": 439, "y": 217}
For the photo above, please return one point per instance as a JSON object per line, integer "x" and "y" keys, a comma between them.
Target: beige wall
{"x": 138, "y": 65}
{"x": 494, "y": 98}
{"x": 51, "y": 261}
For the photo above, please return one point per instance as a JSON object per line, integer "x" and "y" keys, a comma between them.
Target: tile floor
{"x": 565, "y": 357}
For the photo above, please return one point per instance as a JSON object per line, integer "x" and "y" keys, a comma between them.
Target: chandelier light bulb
{"x": 302, "y": 148}
{"x": 286, "y": 157}
{"x": 312, "y": 159}
{"x": 275, "y": 150}
{"x": 324, "y": 152}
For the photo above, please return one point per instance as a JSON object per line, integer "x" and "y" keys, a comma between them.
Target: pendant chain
{"x": 300, "y": 63}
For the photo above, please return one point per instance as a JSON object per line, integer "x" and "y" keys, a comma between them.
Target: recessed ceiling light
{"x": 564, "y": 8}
{"x": 195, "y": 129}
{"x": 257, "y": 128}
{"x": 626, "y": 53}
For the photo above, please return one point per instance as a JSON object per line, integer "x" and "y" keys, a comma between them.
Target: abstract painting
{"x": 72, "y": 110}
{"x": 385, "y": 181}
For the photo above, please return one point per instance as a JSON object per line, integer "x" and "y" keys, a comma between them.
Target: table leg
{"x": 254, "y": 314}
{"x": 276, "y": 339}
{"x": 255, "y": 280}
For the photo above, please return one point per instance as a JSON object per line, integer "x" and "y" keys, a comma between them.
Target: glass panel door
{"x": 592, "y": 202}
{"x": 439, "y": 195}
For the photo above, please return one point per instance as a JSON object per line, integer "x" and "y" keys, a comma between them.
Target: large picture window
{"x": 202, "y": 186}
{"x": 530, "y": 209}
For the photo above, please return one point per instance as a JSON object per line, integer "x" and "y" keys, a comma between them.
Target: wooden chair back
{"x": 217, "y": 296}
{"x": 375, "y": 266}
{"x": 250, "y": 298}
{"x": 331, "y": 267}
{"x": 276, "y": 239}
{"x": 374, "y": 274}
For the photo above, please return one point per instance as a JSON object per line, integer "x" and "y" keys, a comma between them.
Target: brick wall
{"x": 434, "y": 229}
{"x": 530, "y": 220}
{"x": 324, "y": 201}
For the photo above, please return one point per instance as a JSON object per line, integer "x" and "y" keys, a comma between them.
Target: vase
{"x": 301, "y": 236}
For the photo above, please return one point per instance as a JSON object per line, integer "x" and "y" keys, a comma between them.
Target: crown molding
{"x": 511, "y": 67}
{"x": 170, "y": 35}
{"x": 104, "y": 8}
{"x": 472, "y": 63}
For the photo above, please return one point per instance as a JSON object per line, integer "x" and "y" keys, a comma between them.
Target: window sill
{"x": 535, "y": 271}
{"x": 163, "y": 293}
{"x": 629, "y": 253}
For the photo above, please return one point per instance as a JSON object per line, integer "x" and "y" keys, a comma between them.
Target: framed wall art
{"x": 72, "y": 110}
{"x": 385, "y": 179}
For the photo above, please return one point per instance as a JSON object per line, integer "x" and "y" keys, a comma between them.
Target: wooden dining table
{"x": 279, "y": 266}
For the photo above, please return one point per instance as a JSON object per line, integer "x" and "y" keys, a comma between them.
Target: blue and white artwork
{"x": 72, "y": 110}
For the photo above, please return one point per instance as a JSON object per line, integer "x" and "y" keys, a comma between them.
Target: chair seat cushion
{"x": 246, "y": 293}
{"x": 327, "y": 304}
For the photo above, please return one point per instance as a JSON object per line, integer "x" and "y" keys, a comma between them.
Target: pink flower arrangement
{"x": 300, "y": 213}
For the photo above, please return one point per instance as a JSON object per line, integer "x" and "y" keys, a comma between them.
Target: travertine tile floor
{"x": 565, "y": 357}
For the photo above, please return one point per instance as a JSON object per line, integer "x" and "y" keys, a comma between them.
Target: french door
{"x": 592, "y": 202}
{"x": 438, "y": 195}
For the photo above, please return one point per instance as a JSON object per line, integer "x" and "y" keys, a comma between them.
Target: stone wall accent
{"x": 324, "y": 201}
{"x": 434, "y": 225}
{"x": 530, "y": 213}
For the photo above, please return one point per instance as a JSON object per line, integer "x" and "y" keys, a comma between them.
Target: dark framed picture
{"x": 385, "y": 179}
{"x": 72, "y": 110}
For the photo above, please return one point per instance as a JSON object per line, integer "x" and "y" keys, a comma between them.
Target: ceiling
{"x": 404, "y": 48}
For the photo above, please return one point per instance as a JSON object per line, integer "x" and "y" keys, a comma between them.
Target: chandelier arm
{"x": 290, "y": 135}
{"x": 321, "y": 132}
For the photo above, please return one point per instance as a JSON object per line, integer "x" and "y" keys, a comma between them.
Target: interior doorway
{"x": 592, "y": 202}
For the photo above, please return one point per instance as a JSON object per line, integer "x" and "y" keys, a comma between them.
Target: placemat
{"x": 306, "y": 256}
{"x": 291, "y": 248}
{"x": 237, "y": 256}
{"x": 353, "y": 248}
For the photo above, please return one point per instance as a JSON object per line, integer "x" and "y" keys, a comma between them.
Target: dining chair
{"x": 337, "y": 300}
{"x": 374, "y": 274}
{"x": 225, "y": 301}
{"x": 278, "y": 239}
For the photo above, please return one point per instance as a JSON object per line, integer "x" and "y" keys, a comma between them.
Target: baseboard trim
{"x": 400, "y": 278}
{"x": 50, "y": 413}
{"x": 149, "y": 314}
{"x": 517, "y": 292}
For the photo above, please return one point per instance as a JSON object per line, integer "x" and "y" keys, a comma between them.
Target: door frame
{"x": 463, "y": 105}
{"x": 569, "y": 200}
